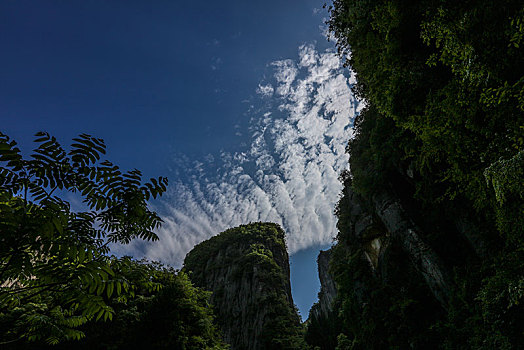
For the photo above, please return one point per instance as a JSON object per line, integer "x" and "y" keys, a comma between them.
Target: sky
{"x": 243, "y": 105}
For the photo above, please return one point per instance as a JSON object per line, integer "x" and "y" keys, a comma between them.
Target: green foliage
{"x": 444, "y": 130}
{"x": 506, "y": 177}
{"x": 445, "y": 73}
{"x": 54, "y": 268}
{"x": 165, "y": 312}
{"x": 246, "y": 265}
{"x": 175, "y": 316}
{"x": 260, "y": 236}
{"x": 343, "y": 343}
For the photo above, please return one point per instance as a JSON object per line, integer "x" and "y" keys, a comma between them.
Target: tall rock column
{"x": 328, "y": 291}
{"x": 247, "y": 269}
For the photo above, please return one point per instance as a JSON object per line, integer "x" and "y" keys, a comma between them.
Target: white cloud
{"x": 265, "y": 90}
{"x": 286, "y": 72}
{"x": 289, "y": 172}
{"x": 308, "y": 55}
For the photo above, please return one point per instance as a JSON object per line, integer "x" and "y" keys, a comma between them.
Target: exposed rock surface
{"x": 374, "y": 227}
{"x": 322, "y": 324}
{"x": 247, "y": 269}
{"x": 368, "y": 231}
{"x": 328, "y": 290}
{"x": 381, "y": 259}
{"x": 397, "y": 222}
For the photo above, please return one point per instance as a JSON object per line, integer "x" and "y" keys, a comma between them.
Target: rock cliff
{"x": 323, "y": 326}
{"x": 380, "y": 259}
{"x": 328, "y": 291}
{"x": 247, "y": 270}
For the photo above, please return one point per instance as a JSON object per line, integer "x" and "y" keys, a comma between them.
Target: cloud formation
{"x": 288, "y": 174}
{"x": 265, "y": 90}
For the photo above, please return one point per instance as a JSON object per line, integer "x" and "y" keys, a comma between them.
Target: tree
{"x": 178, "y": 316}
{"x": 55, "y": 272}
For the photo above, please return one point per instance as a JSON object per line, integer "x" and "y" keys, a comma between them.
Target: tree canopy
{"x": 178, "y": 316}
{"x": 55, "y": 270}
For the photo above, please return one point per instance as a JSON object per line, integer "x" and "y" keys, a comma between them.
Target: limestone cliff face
{"x": 328, "y": 291}
{"x": 422, "y": 256}
{"x": 247, "y": 269}
{"x": 374, "y": 228}
{"x": 382, "y": 265}
{"x": 323, "y": 325}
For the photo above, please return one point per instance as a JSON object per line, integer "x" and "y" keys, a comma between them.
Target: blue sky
{"x": 241, "y": 104}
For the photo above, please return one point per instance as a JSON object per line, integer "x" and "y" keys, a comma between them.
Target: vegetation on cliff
{"x": 247, "y": 269}
{"x": 438, "y": 149}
